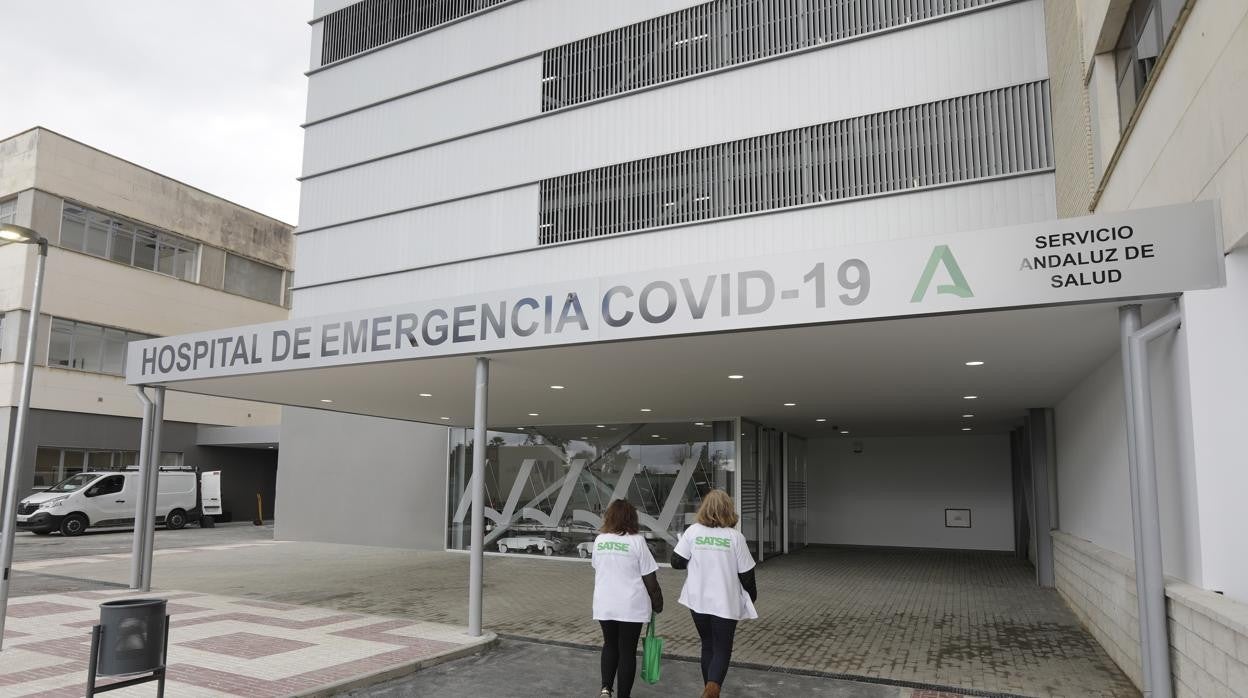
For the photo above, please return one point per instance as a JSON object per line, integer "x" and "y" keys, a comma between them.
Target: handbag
{"x": 651, "y": 652}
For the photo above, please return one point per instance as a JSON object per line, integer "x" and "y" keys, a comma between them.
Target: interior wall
{"x": 895, "y": 492}
{"x": 361, "y": 480}
{"x": 1093, "y": 481}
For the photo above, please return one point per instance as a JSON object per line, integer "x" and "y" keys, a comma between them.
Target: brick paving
{"x": 971, "y": 622}
{"x": 220, "y": 646}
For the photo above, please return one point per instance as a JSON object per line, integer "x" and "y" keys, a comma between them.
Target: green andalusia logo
{"x": 942, "y": 256}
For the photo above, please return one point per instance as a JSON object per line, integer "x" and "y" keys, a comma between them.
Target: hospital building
{"x": 902, "y": 274}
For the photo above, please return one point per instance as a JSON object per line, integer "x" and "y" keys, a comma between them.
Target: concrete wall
{"x": 1094, "y": 498}
{"x": 896, "y": 491}
{"x": 1208, "y": 632}
{"x": 1072, "y": 134}
{"x": 361, "y": 480}
{"x": 77, "y": 171}
{"x": 1190, "y": 139}
{"x": 1218, "y": 370}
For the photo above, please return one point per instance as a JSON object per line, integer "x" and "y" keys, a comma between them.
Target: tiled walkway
{"x": 219, "y": 646}
{"x": 972, "y": 621}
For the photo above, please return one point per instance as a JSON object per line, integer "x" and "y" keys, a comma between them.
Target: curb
{"x": 399, "y": 671}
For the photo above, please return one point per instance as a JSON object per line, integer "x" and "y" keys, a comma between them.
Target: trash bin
{"x": 132, "y": 636}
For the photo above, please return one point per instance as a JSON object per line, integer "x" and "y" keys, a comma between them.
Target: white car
{"x": 528, "y": 543}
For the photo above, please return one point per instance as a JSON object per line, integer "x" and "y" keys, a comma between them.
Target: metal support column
{"x": 1129, "y": 323}
{"x": 13, "y": 470}
{"x": 1151, "y": 585}
{"x": 476, "y": 559}
{"x": 151, "y": 483}
{"x": 141, "y": 512}
{"x": 1038, "y": 422}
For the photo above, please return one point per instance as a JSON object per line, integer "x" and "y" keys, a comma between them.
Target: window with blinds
{"x": 372, "y": 23}
{"x": 990, "y": 134}
{"x": 716, "y": 35}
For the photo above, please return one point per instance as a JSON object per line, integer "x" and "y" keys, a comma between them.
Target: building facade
{"x": 464, "y": 149}
{"x": 133, "y": 255}
{"x": 475, "y": 172}
{"x": 1153, "y": 93}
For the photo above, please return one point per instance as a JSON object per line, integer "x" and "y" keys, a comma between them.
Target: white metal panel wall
{"x": 492, "y": 98}
{"x": 483, "y": 225}
{"x": 320, "y": 8}
{"x": 317, "y": 34}
{"x": 967, "y": 207}
{"x": 509, "y": 33}
{"x": 970, "y": 53}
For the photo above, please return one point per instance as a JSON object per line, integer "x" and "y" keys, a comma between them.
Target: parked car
{"x": 98, "y": 499}
{"x": 542, "y": 544}
{"x": 584, "y": 550}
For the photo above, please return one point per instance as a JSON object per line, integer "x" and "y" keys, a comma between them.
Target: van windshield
{"x": 73, "y": 484}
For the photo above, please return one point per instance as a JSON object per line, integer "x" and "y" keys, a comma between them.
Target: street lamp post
{"x": 16, "y": 233}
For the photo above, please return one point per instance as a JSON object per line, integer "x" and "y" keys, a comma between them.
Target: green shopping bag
{"x": 651, "y": 652}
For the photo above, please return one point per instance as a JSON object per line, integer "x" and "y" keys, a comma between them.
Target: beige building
{"x": 1151, "y": 97}
{"x": 133, "y": 255}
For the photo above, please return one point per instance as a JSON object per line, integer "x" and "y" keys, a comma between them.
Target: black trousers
{"x": 619, "y": 655}
{"x": 717, "y": 635}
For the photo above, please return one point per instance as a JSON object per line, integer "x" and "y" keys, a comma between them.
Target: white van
{"x": 97, "y": 499}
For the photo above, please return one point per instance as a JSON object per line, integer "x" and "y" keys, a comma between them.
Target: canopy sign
{"x": 1104, "y": 257}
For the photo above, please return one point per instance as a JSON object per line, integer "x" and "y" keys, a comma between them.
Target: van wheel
{"x": 175, "y": 520}
{"x": 73, "y": 525}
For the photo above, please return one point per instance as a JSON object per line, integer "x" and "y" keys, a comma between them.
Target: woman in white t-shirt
{"x": 720, "y": 589}
{"x": 626, "y": 591}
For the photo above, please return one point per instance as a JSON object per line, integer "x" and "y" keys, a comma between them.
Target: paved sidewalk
{"x": 972, "y": 621}
{"x": 221, "y": 646}
{"x": 523, "y": 669}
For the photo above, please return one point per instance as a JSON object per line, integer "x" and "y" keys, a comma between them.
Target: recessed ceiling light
{"x": 698, "y": 424}
{"x": 654, "y": 436}
{"x": 326, "y": 400}
{"x": 646, "y": 409}
{"x": 556, "y": 387}
{"x": 272, "y": 446}
{"x": 736, "y": 377}
{"x": 601, "y": 426}
{"x": 966, "y": 428}
{"x": 970, "y": 397}
{"x": 967, "y": 416}
{"x": 821, "y": 419}
{"x": 426, "y": 394}
{"x": 534, "y": 414}
{"x": 974, "y": 363}
{"x": 790, "y": 404}
{"x": 443, "y": 417}
{"x": 844, "y": 431}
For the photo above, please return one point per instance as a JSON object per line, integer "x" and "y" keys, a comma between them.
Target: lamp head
{"x": 17, "y": 233}
{"x": 21, "y": 234}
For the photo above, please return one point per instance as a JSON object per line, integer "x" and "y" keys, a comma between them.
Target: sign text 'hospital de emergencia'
{"x": 1125, "y": 255}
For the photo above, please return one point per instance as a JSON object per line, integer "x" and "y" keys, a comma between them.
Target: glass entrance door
{"x": 795, "y": 493}
{"x": 762, "y": 489}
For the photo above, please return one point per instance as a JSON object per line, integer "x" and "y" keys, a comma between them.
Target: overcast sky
{"x": 210, "y": 92}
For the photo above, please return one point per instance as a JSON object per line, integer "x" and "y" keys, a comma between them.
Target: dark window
{"x": 127, "y": 242}
{"x": 716, "y": 35}
{"x": 253, "y": 279}
{"x": 372, "y": 23}
{"x": 109, "y": 485}
{"x": 991, "y": 134}
{"x": 1144, "y": 35}
{"x": 88, "y": 347}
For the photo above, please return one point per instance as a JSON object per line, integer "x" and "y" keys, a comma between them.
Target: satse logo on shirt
{"x": 611, "y": 546}
{"x": 713, "y": 541}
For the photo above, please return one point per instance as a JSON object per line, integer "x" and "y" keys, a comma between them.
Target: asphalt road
{"x": 31, "y": 548}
